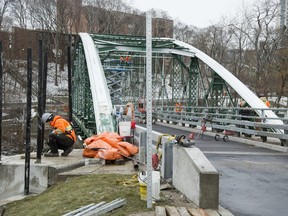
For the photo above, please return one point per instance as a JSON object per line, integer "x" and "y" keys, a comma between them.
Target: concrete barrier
{"x": 194, "y": 176}
{"x": 42, "y": 175}
{"x": 12, "y": 179}
{"x": 192, "y": 173}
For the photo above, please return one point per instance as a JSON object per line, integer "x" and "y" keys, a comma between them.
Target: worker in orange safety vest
{"x": 267, "y": 103}
{"x": 62, "y": 137}
{"x": 129, "y": 111}
{"x": 265, "y": 100}
{"x": 178, "y": 107}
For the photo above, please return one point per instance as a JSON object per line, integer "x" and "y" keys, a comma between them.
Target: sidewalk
{"x": 74, "y": 160}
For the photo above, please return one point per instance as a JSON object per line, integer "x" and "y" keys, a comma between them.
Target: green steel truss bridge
{"x": 110, "y": 70}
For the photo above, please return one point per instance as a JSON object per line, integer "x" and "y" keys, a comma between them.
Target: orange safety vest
{"x": 127, "y": 59}
{"x": 178, "y": 108}
{"x": 129, "y": 110}
{"x": 62, "y": 126}
{"x": 267, "y": 103}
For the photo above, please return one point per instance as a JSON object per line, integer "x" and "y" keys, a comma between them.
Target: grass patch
{"x": 76, "y": 192}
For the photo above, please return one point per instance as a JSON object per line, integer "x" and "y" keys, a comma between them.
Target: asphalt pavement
{"x": 253, "y": 174}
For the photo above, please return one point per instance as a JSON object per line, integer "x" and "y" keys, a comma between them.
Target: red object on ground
{"x": 203, "y": 128}
{"x": 155, "y": 161}
{"x": 191, "y": 136}
{"x": 133, "y": 124}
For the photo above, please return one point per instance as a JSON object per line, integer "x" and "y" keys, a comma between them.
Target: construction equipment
{"x": 217, "y": 137}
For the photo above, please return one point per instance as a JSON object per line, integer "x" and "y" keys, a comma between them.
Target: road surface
{"x": 253, "y": 180}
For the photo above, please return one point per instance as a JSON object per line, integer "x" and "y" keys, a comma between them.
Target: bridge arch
{"x": 110, "y": 70}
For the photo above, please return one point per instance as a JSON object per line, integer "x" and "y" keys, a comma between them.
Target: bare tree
{"x": 59, "y": 18}
{"x": 239, "y": 54}
{"x": 219, "y": 43}
{"x": 44, "y": 14}
{"x": 185, "y": 32}
{"x": 19, "y": 12}
{"x": 263, "y": 39}
{"x": 281, "y": 68}
{"x": 3, "y": 9}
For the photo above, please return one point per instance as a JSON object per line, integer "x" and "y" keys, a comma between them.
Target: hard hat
{"x": 47, "y": 117}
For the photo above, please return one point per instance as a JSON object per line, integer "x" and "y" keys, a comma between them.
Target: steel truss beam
{"x": 176, "y": 76}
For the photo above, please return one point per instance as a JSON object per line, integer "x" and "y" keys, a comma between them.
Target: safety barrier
{"x": 192, "y": 173}
{"x": 229, "y": 119}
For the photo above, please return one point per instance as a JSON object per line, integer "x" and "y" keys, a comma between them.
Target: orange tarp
{"x": 108, "y": 146}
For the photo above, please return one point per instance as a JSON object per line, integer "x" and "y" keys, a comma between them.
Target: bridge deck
{"x": 253, "y": 179}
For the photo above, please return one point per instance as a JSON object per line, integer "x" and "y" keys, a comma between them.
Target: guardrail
{"x": 239, "y": 120}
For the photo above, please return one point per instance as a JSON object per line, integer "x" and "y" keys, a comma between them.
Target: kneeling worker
{"x": 62, "y": 137}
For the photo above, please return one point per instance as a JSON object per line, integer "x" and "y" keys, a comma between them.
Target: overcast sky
{"x": 200, "y": 13}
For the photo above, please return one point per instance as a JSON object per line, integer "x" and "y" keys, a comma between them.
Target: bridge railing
{"x": 229, "y": 119}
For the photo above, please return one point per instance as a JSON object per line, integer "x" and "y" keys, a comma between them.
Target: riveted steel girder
{"x": 176, "y": 76}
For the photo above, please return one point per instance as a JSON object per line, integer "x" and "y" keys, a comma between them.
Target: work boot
{"x": 67, "y": 152}
{"x": 50, "y": 154}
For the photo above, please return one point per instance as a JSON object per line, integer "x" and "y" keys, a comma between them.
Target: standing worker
{"x": 130, "y": 112}
{"x": 246, "y": 113}
{"x": 178, "y": 107}
{"x": 62, "y": 137}
{"x": 264, "y": 100}
{"x": 267, "y": 103}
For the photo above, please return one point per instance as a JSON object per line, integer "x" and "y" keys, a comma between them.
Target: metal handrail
{"x": 229, "y": 118}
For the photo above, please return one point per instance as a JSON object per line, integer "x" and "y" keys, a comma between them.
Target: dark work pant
{"x": 59, "y": 141}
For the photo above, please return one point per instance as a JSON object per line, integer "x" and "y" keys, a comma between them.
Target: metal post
{"x": 163, "y": 82}
{"x": 1, "y": 80}
{"x": 44, "y": 81}
{"x": 167, "y": 160}
{"x": 69, "y": 82}
{"x": 28, "y": 121}
{"x": 40, "y": 134}
{"x": 142, "y": 147}
{"x": 284, "y": 142}
{"x": 149, "y": 106}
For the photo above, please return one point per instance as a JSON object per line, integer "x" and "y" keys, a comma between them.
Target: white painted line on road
{"x": 244, "y": 153}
